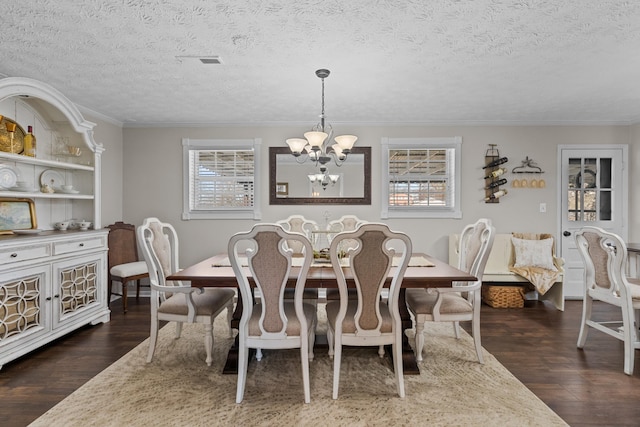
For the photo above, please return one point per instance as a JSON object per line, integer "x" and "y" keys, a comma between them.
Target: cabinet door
{"x": 24, "y": 309}
{"x": 78, "y": 287}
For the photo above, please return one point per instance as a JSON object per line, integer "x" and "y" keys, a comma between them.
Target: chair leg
{"x": 208, "y": 341}
{"x": 419, "y": 340}
{"x": 330, "y": 341}
{"x": 397, "y": 362}
{"x": 258, "y": 354}
{"x": 456, "y": 329}
{"x": 312, "y": 339}
{"x": 630, "y": 336}
{"x": 153, "y": 338}
{"x": 475, "y": 329}
{"x": 304, "y": 357}
{"x": 230, "y": 317}
{"x": 178, "y": 329}
{"x": 243, "y": 356}
{"x": 109, "y": 288}
{"x": 381, "y": 351}
{"x": 586, "y": 315}
{"x": 137, "y": 289}
{"x": 336, "y": 368}
{"x": 124, "y": 296}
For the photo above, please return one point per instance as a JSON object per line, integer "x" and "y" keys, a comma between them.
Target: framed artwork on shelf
{"x": 17, "y": 214}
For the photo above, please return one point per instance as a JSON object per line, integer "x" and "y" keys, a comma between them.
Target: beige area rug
{"x": 178, "y": 389}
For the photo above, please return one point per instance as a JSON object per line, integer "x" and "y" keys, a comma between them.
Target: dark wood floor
{"x": 536, "y": 343}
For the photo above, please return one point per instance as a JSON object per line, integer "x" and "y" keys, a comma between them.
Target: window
{"x": 421, "y": 177}
{"x": 220, "y": 179}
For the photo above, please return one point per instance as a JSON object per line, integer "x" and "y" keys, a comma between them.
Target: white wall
{"x": 152, "y": 167}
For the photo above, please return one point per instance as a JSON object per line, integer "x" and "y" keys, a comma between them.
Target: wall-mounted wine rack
{"x": 494, "y": 169}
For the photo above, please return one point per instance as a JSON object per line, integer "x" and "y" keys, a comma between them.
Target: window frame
{"x": 189, "y": 145}
{"x": 447, "y": 143}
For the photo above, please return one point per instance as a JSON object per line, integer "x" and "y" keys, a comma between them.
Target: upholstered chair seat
{"x": 208, "y": 303}
{"x": 425, "y": 302}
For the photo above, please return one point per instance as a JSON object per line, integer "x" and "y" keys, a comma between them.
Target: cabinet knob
{"x": 48, "y": 298}
{"x": 566, "y": 233}
{"x": 81, "y": 244}
{"x": 14, "y": 255}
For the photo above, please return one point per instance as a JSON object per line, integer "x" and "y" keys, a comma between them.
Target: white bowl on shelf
{"x": 84, "y": 225}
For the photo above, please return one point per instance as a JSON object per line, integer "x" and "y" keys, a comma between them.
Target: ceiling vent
{"x": 201, "y": 59}
{"x": 211, "y": 60}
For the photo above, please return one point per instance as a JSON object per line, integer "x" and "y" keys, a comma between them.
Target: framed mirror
{"x": 292, "y": 183}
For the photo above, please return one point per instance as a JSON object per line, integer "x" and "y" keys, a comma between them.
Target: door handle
{"x": 566, "y": 234}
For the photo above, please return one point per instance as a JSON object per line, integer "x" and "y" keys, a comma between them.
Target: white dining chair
{"x": 367, "y": 320}
{"x": 274, "y": 323}
{"x": 462, "y": 301}
{"x": 604, "y": 255}
{"x": 175, "y": 301}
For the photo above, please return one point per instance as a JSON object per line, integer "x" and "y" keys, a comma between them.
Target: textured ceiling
{"x": 391, "y": 61}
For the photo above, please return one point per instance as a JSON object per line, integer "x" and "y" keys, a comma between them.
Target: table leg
{"x": 409, "y": 363}
{"x": 231, "y": 365}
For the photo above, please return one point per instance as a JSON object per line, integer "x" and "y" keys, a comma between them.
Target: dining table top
{"x": 216, "y": 271}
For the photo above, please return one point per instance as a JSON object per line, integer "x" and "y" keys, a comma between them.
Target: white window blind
{"x": 220, "y": 179}
{"x": 421, "y": 177}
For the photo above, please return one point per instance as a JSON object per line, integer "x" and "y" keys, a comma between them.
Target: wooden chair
{"x": 175, "y": 301}
{"x": 605, "y": 257}
{"x": 367, "y": 320}
{"x": 463, "y": 300}
{"x": 124, "y": 266}
{"x": 274, "y": 323}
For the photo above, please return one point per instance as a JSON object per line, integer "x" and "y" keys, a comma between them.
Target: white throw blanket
{"x": 541, "y": 278}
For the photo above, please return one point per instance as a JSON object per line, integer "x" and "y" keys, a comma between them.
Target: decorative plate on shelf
{"x": 8, "y": 177}
{"x": 52, "y": 178}
{"x": 28, "y": 231}
{"x": 62, "y": 190}
{"x": 17, "y": 146}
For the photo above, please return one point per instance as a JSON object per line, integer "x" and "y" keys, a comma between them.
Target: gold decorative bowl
{"x": 5, "y": 137}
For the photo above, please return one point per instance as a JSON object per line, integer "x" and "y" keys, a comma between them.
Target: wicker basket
{"x": 503, "y": 296}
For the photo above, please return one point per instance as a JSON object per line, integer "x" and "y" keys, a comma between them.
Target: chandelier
{"x": 315, "y": 146}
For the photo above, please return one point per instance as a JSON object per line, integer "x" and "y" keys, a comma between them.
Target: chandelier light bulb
{"x": 296, "y": 145}
{"x": 346, "y": 142}
{"x": 315, "y": 139}
{"x": 338, "y": 150}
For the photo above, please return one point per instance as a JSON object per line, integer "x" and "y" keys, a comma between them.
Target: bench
{"x": 497, "y": 268}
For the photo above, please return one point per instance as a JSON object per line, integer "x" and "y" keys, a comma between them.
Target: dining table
{"x": 424, "y": 271}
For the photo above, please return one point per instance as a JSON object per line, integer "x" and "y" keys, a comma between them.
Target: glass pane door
{"x": 590, "y": 189}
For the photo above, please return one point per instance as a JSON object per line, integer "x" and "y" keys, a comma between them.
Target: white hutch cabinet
{"x": 52, "y": 282}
